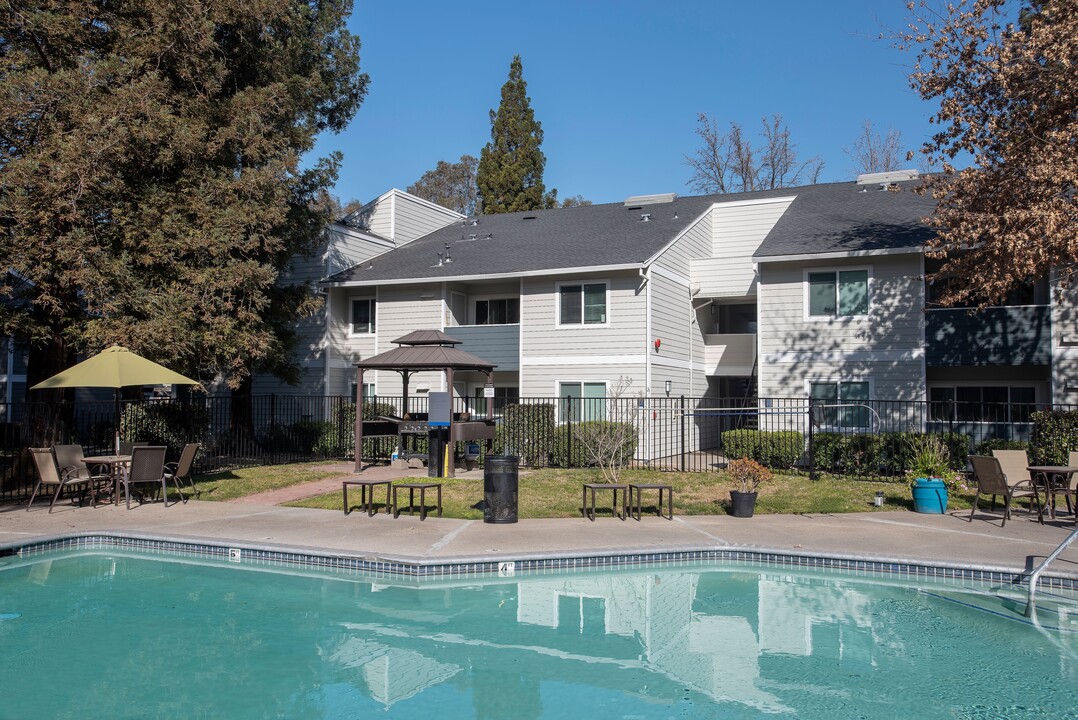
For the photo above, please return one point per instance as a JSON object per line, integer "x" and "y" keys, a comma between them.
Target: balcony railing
{"x": 497, "y": 344}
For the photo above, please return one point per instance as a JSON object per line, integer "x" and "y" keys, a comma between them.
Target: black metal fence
{"x": 863, "y": 439}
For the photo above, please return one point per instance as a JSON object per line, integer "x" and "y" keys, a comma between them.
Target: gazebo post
{"x": 405, "y": 374}
{"x": 359, "y": 419}
{"x": 451, "y": 466}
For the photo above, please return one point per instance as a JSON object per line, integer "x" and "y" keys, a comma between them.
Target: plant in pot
{"x": 930, "y": 474}
{"x": 747, "y": 475}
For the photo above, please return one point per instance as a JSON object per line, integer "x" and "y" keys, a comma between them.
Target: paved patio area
{"x": 937, "y": 539}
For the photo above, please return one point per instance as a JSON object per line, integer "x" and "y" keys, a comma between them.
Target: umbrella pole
{"x": 117, "y": 444}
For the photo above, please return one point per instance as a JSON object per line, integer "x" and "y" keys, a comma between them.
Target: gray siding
{"x": 885, "y": 347}
{"x": 587, "y": 352}
{"x": 738, "y": 230}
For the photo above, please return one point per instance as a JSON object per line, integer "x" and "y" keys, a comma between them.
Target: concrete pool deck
{"x": 933, "y": 539}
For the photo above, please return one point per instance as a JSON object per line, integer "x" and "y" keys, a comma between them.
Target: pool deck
{"x": 947, "y": 539}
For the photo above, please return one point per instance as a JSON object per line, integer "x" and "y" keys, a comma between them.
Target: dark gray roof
{"x": 425, "y": 357}
{"x": 823, "y": 218}
{"x": 845, "y": 217}
{"x": 427, "y": 337}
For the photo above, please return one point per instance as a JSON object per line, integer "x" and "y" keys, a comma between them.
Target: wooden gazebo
{"x": 419, "y": 351}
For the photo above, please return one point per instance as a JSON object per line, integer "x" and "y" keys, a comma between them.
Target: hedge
{"x": 526, "y": 431}
{"x": 870, "y": 454}
{"x": 1053, "y": 436}
{"x": 780, "y": 449}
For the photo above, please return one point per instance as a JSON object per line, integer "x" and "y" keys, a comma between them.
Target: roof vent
{"x": 529, "y": 217}
{"x": 650, "y": 199}
{"x": 886, "y": 178}
{"x": 645, "y": 217}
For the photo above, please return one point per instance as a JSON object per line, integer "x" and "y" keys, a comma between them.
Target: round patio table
{"x": 116, "y": 464}
{"x": 1055, "y": 479}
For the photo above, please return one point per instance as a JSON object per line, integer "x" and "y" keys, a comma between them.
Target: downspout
{"x": 645, "y": 277}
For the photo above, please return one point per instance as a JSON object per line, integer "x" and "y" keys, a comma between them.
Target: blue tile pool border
{"x": 381, "y": 568}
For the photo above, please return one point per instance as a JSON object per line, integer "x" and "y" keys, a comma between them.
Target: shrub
{"x": 172, "y": 424}
{"x": 779, "y": 449}
{"x": 747, "y": 474}
{"x": 527, "y": 431}
{"x": 1054, "y": 434}
{"x": 338, "y": 439}
{"x": 985, "y": 447}
{"x": 596, "y": 443}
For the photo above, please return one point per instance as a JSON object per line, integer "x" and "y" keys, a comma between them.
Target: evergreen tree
{"x": 510, "y": 176}
{"x": 151, "y": 191}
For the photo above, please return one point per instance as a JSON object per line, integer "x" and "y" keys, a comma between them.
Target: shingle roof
{"x": 845, "y": 217}
{"x": 823, "y": 218}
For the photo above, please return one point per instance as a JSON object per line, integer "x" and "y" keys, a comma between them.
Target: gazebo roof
{"x": 426, "y": 350}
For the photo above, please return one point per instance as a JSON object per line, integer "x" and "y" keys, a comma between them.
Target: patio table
{"x": 115, "y": 464}
{"x": 1055, "y": 479}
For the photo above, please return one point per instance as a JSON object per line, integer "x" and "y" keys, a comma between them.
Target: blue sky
{"x": 617, "y": 86}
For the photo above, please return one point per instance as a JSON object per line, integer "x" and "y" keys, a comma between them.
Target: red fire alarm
{"x": 658, "y": 344}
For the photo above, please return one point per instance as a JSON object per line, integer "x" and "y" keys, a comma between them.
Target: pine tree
{"x": 510, "y": 176}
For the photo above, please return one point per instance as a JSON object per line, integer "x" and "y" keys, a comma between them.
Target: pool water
{"x": 112, "y": 635}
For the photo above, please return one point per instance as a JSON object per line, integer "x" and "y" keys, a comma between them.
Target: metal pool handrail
{"x": 1036, "y": 574}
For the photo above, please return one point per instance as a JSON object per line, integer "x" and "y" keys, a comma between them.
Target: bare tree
{"x": 779, "y": 164}
{"x": 711, "y": 161}
{"x": 728, "y": 162}
{"x": 610, "y": 444}
{"x": 873, "y": 152}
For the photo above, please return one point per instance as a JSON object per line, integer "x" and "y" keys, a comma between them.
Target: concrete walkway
{"x": 937, "y": 539}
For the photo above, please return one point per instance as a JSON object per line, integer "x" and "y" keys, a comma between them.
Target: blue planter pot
{"x": 929, "y": 496}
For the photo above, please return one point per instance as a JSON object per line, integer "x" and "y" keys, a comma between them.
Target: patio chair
{"x": 147, "y": 468}
{"x": 69, "y": 459}
{"x": 127, "y": 447}
{"x": 991, "y": 480}
{"x": 49, "y": 474}
{"x": 181, "y": 470}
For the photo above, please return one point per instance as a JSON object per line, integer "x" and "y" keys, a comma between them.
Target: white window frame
{"x": 581, "y": 325}
{"x": 578, "y": 381}
{"x": 473, "y": 314}
{"x": 805, "y": 292}
{"x": 352, "y": 300}
{"x": 809, "y": 382}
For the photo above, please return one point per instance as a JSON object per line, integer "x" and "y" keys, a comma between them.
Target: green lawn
{"x": 231, "y": 484}
{"x": 556, "y": 492}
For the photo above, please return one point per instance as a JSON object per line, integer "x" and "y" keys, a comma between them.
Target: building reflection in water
{"x": 667, "y": 632}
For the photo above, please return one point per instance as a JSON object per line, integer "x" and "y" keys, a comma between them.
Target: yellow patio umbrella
{"x": 116, "y": 367}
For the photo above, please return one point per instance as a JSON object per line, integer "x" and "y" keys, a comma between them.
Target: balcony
{"x": 497, "y": 344}
{"x": 731, "y": 354}
{"x": 993, "y": 336}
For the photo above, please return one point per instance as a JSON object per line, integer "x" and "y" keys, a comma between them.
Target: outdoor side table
{"x": 366, "y": 494}
{"x": 590, "y": 514}
{"x": 422, "y": 487}
{"x": 667, "y": 489}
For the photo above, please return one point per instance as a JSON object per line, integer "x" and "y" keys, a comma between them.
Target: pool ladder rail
{"x": 1031, "y": 597}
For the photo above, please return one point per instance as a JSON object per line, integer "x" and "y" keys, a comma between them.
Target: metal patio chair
{"x": 181, "y": 471}
{"x": 48, "y": 473}
{"x": 991, "y": 480}
{"x": 147, "y": 468}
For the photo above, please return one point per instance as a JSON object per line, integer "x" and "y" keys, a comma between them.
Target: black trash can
{"x": 500, "y": 488}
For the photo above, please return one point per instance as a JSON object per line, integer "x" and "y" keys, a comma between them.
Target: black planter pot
{"x": 742, "y": 504}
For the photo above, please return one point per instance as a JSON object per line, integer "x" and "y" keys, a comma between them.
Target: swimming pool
{"x": 115, "y": 634}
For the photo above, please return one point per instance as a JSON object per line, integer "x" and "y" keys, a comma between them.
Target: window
{"x": 362, "y": 316}
{"x": 582, "y": 304}
{"x": 582, "y": 401}
{"x": 368, "y": 392}
{"x": 504, "y": 311}
{"x": 502, "y": 396}
{"x": 987, "y": 403}
{"x": 838, "y": 403}
{"x": 842, "y": 293}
